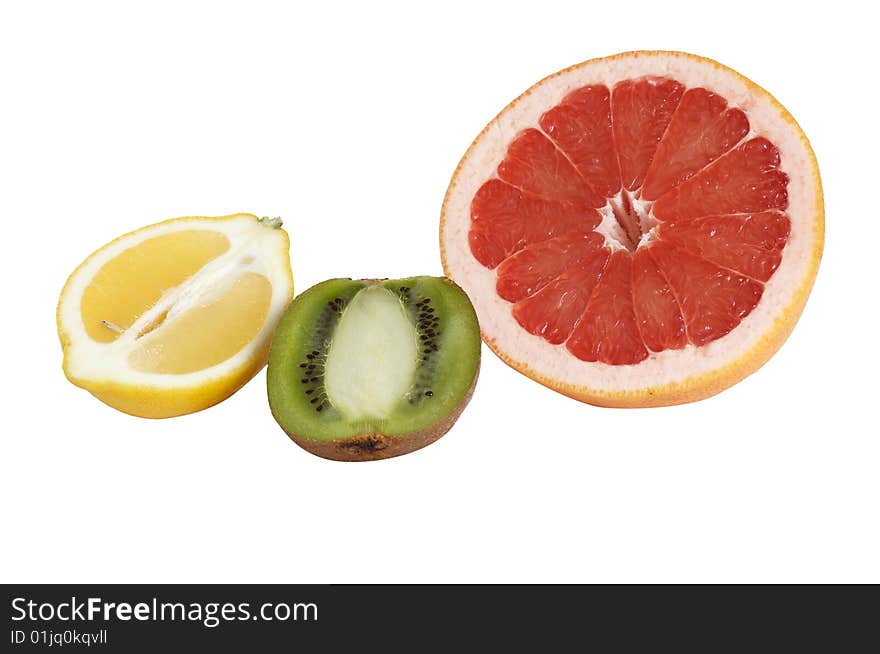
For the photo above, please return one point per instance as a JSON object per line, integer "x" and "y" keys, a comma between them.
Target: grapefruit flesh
{"x": 630, "y": 212}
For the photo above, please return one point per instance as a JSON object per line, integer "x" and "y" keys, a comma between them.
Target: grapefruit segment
{"x": 505, "y": 220}
{"x": 581, "y": 126}
{"x": 702, "y": 128}
{"x": 713, "y": 299}
{"x": 744, "y": 180}
{"x": 750, "y": 244}
{"x": 552, "y": 312}
{"x": 641, "y": 110}
{"x": 607, "y": 331}
{"x": 657, "y": 311}
{"x": 536, "y": 166}
{"x": 533, "y": 267}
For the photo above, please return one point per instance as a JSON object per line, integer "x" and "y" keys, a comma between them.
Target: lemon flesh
{"x": 208, "y": 334}
{"x": 130, "y": 284}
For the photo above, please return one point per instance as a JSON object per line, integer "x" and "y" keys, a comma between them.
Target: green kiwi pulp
{"x": 370, "y": 369}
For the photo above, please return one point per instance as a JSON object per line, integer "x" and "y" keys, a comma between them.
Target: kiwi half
{"x": 370, "y": 369}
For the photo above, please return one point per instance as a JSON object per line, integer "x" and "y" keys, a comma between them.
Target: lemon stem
{"x": 274, "y": 223}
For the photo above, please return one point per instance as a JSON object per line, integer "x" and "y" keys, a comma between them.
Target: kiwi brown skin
{"x": 373, "y": 446}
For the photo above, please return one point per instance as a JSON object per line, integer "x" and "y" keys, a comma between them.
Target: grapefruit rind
{"x": 671, "y": 376}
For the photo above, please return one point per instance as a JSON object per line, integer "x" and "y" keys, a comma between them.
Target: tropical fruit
{"x": 177, "y": 316}
{"x": 371, "y": 369}
{"x": 638, "y": 230}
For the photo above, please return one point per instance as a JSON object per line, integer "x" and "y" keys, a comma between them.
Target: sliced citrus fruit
{"x": 637, "y": 230}
{"x": 177, "y": 316}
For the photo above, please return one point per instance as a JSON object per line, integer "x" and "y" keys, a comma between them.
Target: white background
{"x": 347, "y": 121}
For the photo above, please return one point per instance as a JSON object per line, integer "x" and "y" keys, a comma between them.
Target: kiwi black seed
{"x": 370, "y": 369}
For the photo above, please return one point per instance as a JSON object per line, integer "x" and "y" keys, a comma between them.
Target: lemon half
{"x": 176, "y": 316}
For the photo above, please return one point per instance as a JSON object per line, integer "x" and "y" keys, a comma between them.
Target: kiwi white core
{"x": 372, "y": 360}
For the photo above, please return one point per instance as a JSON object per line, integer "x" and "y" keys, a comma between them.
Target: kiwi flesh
{"x": 370, "y": 369}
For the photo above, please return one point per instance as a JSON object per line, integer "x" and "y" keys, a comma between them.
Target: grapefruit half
{"x": 637, "y": 230}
